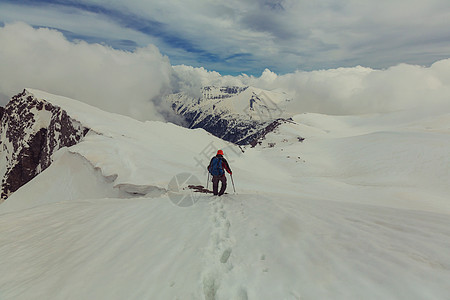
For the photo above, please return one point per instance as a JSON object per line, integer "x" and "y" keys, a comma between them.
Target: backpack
{"x": 216, "y": 168}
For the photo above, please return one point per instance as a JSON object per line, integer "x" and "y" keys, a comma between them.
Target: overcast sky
{"x": 248, "y": 36}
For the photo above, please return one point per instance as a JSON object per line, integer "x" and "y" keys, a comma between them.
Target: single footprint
{"x": 242, "y": 294}
{"x": 210, "y": 286}
{"x": 225, "y": 255}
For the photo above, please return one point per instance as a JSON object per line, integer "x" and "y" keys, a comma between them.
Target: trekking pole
{"x": 207, "y": 182}
{"x": 232, "y": 181}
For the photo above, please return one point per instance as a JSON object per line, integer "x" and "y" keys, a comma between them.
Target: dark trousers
{"x": 215, "y": 181}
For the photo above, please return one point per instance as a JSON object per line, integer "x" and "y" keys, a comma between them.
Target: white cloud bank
{"x": 132, "y": 83}
{"x": 113, "y": 80}
{"x": 362, "y": 90}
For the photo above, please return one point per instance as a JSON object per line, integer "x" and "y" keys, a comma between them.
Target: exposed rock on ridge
{"x": 31, "y": 130}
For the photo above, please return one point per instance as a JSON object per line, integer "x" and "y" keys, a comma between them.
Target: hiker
{"x": 216, "y": 169}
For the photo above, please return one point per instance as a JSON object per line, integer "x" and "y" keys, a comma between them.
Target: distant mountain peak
{"x": 238, "y": 114}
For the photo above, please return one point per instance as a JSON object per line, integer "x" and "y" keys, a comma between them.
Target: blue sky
{"x": 243, "y": 36}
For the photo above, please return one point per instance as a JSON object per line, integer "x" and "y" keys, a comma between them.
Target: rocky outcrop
{"x": 269, "y": 128}
{"x": 2, "y": 110}
{"x": 240, "y": 132}
{"x": 31, "y": 130}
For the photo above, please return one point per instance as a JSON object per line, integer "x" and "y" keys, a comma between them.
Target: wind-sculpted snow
{"x": 31, "y": 131}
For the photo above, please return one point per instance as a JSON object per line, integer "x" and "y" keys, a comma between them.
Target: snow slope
{"x": 357, "y": 210}
{"x": 398, "y": 160}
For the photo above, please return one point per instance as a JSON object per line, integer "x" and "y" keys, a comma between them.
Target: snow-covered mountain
{"x": 357, "y": 210}
{"x": 31, "y": 130}
{"x": 241, "y": 115}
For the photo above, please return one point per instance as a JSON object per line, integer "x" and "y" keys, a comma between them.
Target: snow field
{"x": 103, "y": 249}
{"x": 358, "y": 210}
{"x": 330, "y": 250}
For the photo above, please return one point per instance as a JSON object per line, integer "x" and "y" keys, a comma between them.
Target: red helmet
{"x": 220, "y": 152}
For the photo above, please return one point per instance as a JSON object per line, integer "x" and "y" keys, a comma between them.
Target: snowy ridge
{"x": 31, "y": 130}
{"x": 112, "y": 143}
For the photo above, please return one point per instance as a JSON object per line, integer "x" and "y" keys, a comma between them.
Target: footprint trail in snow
{"x": 218, "y": 254}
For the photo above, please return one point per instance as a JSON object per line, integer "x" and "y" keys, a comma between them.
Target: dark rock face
{"x": 2, "y": 110}
{"x": 31, "y": 130}
{"x": 269, "y": 128}
{"x": 236, "y": 131}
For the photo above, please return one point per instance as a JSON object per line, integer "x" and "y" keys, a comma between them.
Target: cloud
{"x": 129, "y": 83}
{"x": 247, "y": 36}
{"x": 75, "y": 23}
{"x": 190, "y": 80}
{"x": 361, "y": 90}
